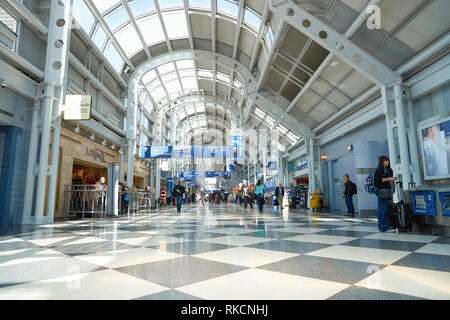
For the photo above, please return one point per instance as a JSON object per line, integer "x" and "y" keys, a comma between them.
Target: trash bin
{"x": 315, "y": 200}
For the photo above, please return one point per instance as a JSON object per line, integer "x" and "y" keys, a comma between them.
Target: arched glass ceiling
{"x": 171, "y": 80}
{"x": 135, "y": 23}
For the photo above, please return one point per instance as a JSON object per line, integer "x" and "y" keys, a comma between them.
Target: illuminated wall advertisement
{"x": 435, "y": 138}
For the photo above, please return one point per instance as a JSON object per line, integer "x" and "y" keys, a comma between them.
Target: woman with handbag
{"x": 384, "y": 176}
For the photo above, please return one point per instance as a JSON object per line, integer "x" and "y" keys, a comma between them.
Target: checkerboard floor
{"x": 222, "y": 253}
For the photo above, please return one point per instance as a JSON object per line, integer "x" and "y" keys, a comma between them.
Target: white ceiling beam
{"x": 334, "y": 42}
{"x": 136, "y": 28}
{"x": 213, "y": 25}
{"x": 108, "y": 32}
{"x": 266, "y": 67}
{"x": 362, "y": 17}
{"x": 163, "y": 25}
{"x": 262, "y": 28}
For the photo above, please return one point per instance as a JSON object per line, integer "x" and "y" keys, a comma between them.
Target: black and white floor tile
{"x": 223, "y": 253}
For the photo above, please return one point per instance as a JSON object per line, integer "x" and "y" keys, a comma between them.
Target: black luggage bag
{"x": 400, "y": 214}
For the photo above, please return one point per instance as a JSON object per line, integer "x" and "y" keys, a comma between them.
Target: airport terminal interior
{"x": 224, "y": 150}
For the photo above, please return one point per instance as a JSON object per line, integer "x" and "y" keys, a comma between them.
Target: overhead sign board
{"x": 190, "y": 152}
{"x": 78, "y": 107}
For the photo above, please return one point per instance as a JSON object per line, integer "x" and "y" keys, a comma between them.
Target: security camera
{"x": 3, "y": 84}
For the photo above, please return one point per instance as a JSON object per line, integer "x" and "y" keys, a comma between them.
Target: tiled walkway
{"x": 222, "y": 253}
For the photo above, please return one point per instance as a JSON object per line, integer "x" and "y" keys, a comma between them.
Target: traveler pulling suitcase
{"x": 399, "y": 214}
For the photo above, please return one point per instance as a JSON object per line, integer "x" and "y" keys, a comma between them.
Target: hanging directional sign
{"x": 232, "y": 152}
{"x": 77, "y": 107}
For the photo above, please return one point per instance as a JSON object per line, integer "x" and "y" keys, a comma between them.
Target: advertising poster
{"x": 436, "y": 150}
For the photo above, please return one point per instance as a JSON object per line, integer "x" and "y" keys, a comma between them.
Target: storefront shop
{"x": 82, "y": 162}
{"x": 141, "y": 174}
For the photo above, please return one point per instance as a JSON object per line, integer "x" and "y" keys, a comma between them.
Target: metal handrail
{"x": 89, "y": 200}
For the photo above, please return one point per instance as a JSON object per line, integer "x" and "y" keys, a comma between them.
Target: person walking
{"x": 279, "y": 195}
{"x": 247, "y": 197}
{"x": 178, "y": 192}
{"x": 349, "y": 191}
{"x": 293, "y": 196}
{"x": 383, "y": 178}
{"x": 260, "y": 189}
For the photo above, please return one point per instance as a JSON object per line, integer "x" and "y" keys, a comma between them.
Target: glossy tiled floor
{"x": 221, "y": 253}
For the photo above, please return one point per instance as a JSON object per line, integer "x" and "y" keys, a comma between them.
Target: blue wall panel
{"x": 14, "y": 148}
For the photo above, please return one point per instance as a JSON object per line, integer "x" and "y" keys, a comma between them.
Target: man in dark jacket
{"x": 279, "y": 195}
{"x": 349, "y": 191}
{"x": 178, "y": 192}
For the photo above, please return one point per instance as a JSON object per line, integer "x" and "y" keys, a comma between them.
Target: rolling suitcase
{"x": 400, "y": 214}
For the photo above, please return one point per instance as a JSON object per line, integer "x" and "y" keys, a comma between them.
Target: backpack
{"x": 369, "y": 186}
{"x": 354, "y": 189}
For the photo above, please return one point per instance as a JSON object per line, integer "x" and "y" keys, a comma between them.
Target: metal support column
{"x": 31, "y": 161}
{"x": 62, "y": 33}
{"x": 130, "y": 160}
{"x": 311, "y": 160}
{"x": 46, "y": 119}
{"x": 399, "y": 98}
{"x": 389, "y": 129}
{"x": 319, "y": 170}
{"x": 413, "y": 145}
{"x": 121, "y": 166}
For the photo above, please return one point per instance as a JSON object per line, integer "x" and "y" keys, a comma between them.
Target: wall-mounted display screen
{"x": 435, "y": 138}
{"x": 420, "y": 202}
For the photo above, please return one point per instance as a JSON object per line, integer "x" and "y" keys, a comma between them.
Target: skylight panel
{"x": 293, "y": 136}
{"x": 170, "y": 4}
{"x": 190, "y": 109}
{"x": 181, "y": 113}
{"x": 223, "y": 77}
{"x": 166, "y": 68}
{"x": 205, "y": 73}
{"x": 174, "y": 95}
{"x": 252, "y": 19}
{"x": 113, "y": 57}
{"x": 259, "y": 113}
{"x": 202, "y": 4}
{"x": 116, "y": 18}
{"x": 105, "y": 5}
{"x": 148, "y": 106}
{"x": 140, "y": 7}
{"x": 169, "y": 77}
{"x": 281, "y": 129}
{"x": 99, "y": 37}
{"x": 149, "y": 76}
{"x": 269, "y": 121}
{"x": 238, "y": 84}
{"x": 200, "y": 107}
{"x": 187, "y": 73}
{"x": 189, "y": 83}
{"x": 176, "y": 24}
{"x": 228, "y": 7}
{"x": 158, "y": 93}
{"x": 185, "y": 64}
{"x": 153, "y": 85}
{"x": 172, "y": 86}
{"x": 129, "y": 40}
{"x": 83, "y": 15}
{"x": 269, "y": 36}
{"x": 151, "y": 29}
